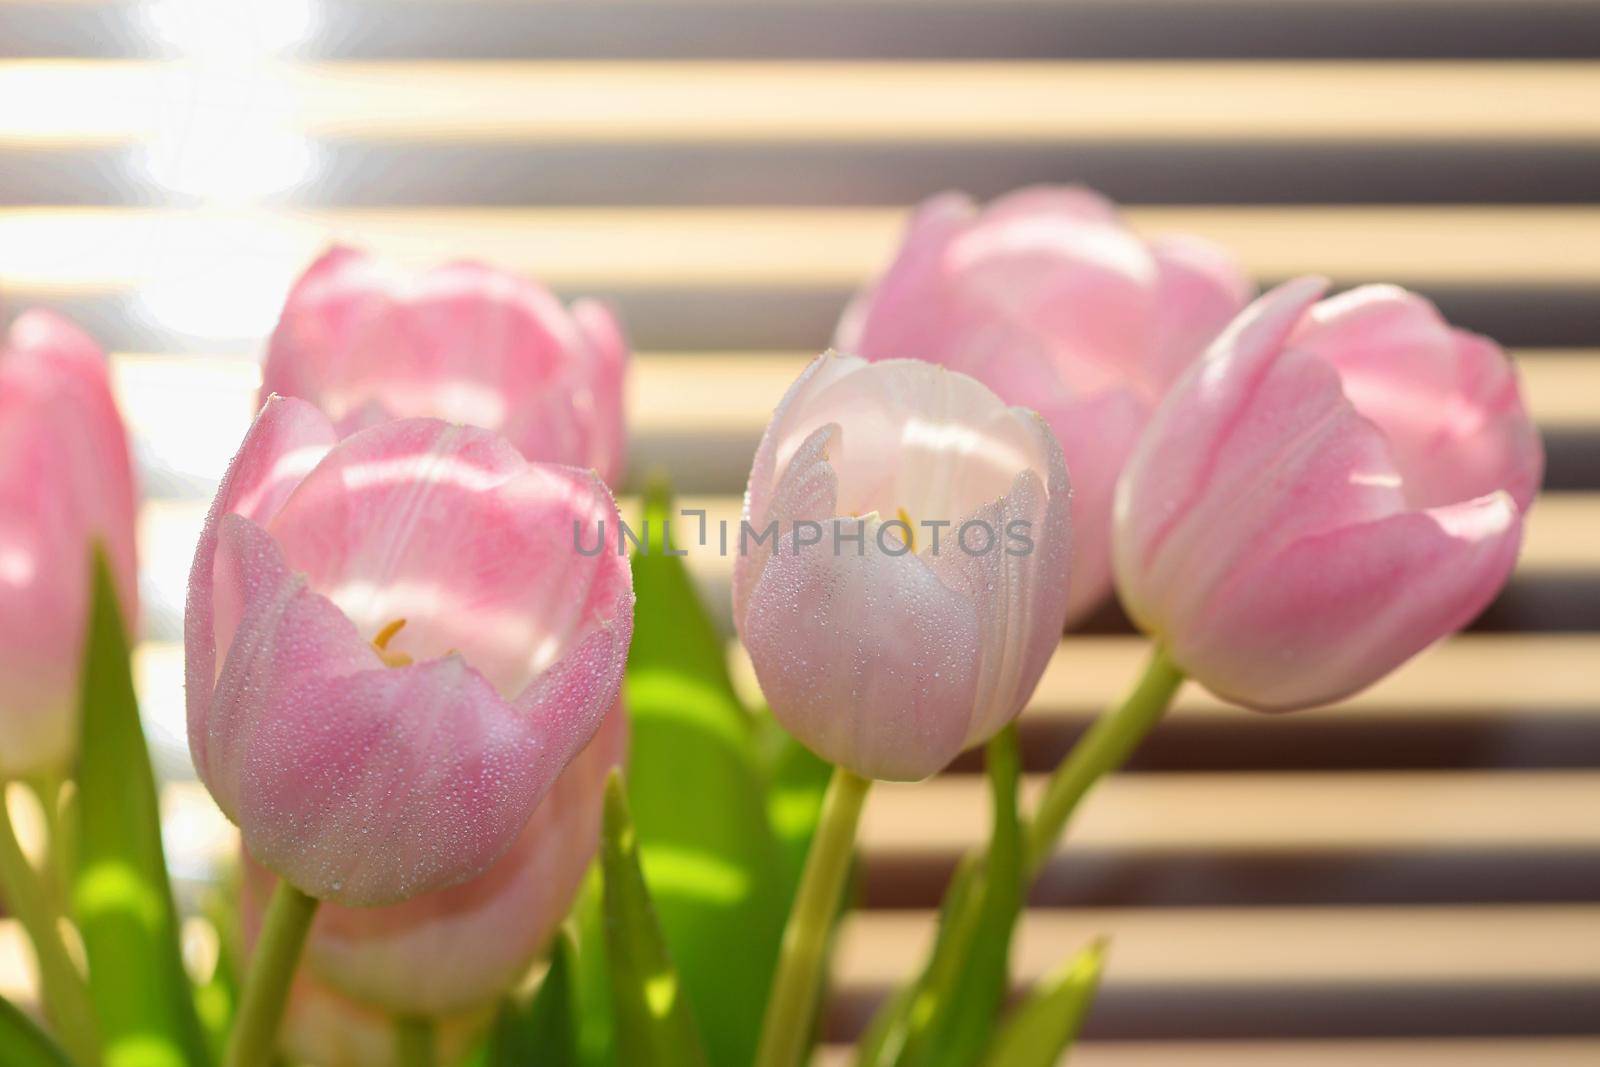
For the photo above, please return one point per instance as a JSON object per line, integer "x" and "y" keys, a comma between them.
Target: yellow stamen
{"x": 911, "y": 531}
{"x": 380, "y": 644}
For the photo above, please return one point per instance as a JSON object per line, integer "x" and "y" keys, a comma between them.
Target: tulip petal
{"x": 1201, "y": 289}
{"x": 903, "y": 312}
{"x": 1175, "y": 464}
{"x": 463, "y": 342}
{"x": 1019, "y": 586}
{"x": 1083, "y": 282}
{"x": 448, "y": 528}
{"x": 1296, "y": 461}
{"x": 459, "y": 947}
{"x": 933, "y": 443}
{"x": 1448, "y": 401}
{"x": 287, "y": 439}
{"x": 1333, "y": 612}
{"x": 358, "y": 783}
{"x": 828, "y": 636}
{"x": 1072, "y": 201}
{"x": 604, "y": 396}
{"x": 776, "y": 450}
{"x": 1097, "y": 435}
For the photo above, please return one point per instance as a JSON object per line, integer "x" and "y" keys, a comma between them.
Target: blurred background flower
{"x": 66, "y": 485}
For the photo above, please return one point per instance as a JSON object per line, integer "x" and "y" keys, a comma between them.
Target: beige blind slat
{"x": 80, "y": 102}
{"x": 44, "y": 250}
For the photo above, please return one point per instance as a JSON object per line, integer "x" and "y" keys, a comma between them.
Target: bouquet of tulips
{"x": 497, "y": 799}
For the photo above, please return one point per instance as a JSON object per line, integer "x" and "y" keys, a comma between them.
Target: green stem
{"x": 414, "y": 1041}
{"x": 66, "y": 996}
{"x": 1104, "y": 748}
{"x": 266, "y": 987}
{"x": 791, "y": 1009}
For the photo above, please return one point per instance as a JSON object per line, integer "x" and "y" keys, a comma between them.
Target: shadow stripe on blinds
{"x": 841, "y": 29}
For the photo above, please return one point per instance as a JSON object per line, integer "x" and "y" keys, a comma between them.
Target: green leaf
{"x": 654, "y": 1023}
{"x": 698, "y": 791}
{"x": 797, "y": 783}
{"x": 596, "y": 1022}
{"x": 947, "y": 1020}
{"x": 120, "y": 894}
{"x": 542, "y": 1029}
{"x": 1039, "y": 1031}
{"x": 885, "y": 1040}
{"x": 26, "y": 1045}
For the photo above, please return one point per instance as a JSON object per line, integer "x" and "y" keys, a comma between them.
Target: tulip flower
{"x": 1050, "y": 300}
{"x": 459, "y": 948}
{"x": 890, "y": 652}
{"x": 1334, "y": 487}
{"x": 900, "y": 583}
{"x": 393, "y": 647}
{"x": 463, "y": 342}
{"x": 65, "y": 484}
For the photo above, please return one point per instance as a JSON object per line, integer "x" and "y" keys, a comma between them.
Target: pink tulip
{"x": 1050, "y": 300}
{"x": 463, "y": 342}
{"x": 393, "y": 647}
{"x": 65, "y": 483}
{"x": 891, "y": 657}
{"x": 462, "y": 947}
{"x": 322, "y": 1028}
{"x": 1334, "y": 487}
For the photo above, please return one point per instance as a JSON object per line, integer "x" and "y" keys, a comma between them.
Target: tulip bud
{"x": 393, "y": 646}
{"x": 463, "y": 342}
{"x": 1050, "y": 300}
{"x": 912, "y": 579}
{"x": 458, "y": 948}
{"x": 65, "y": 484}
{"x": 1333, "y": 488}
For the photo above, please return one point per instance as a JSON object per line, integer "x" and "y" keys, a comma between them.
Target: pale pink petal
{"x": 443, "y": 952}
{"x": 1097, "y": 435}
{"x": 765, "y": 467}
{"x": 1019, "y": 585}
{"x": 903, "y": 314}
{"x": 1072, "y": 201}
{"x": 832, "y": 648}
{"x": 332, "y": 309}
{"x": 1448, "y": 401}
{"x": 1202, "y": 287}
{"x": 607, "y": 449}
{"x": 463, "y": 342}
{"x": 1173, "y": 467}
{"x": 1296, "y": 461}
{"x": 359, "y": 783}
{"x": 1333, "y": 612}
{"x": 288, "y": 438}
{"x": 448, "y": 528}
{"x": 922, "y": 439}
{"x": 1086, "y": 285}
